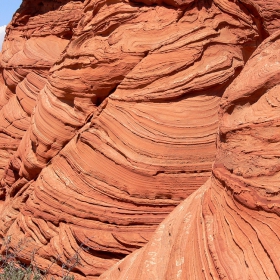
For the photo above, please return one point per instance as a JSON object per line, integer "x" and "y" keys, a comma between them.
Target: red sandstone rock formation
{"x": 30, "y": 49}
{"x": 109, "y": 120}
{"x": 229, "y": 228}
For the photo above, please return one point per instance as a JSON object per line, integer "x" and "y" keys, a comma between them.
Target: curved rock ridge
{"x": 116, "y": 214}
{"x": 266, "y": 14}
{"x": 15, "y": 115}
{"x": 25, "y": 62}
{"x": 114, "y": 122}
{"x": 105, "y": 46}
{"x": 229, "y": 228}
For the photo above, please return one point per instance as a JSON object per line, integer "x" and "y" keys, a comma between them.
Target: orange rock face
{"x": 109, "y": 118}
{"x": 30, "y": 49}
{"x": 229, "y": 228}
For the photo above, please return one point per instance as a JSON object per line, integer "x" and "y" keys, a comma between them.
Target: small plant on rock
{"x": 11, "y": 268}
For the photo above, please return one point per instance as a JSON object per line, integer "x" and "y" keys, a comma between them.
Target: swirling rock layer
{"x": 229, "y": 228}
{"x": 109, "y": 118}
{"x": 25, "y": 62}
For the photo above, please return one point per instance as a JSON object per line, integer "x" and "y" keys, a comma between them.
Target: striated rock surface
{"x": 108, "y": 121}
{"x": 30, "y": 49}
{"x": 229, "y": 228}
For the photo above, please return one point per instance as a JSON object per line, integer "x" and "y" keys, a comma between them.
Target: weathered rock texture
{"x": 36, "y": 37}
{"x": 229, "y": 228}
{"x": 109, "y": 120}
